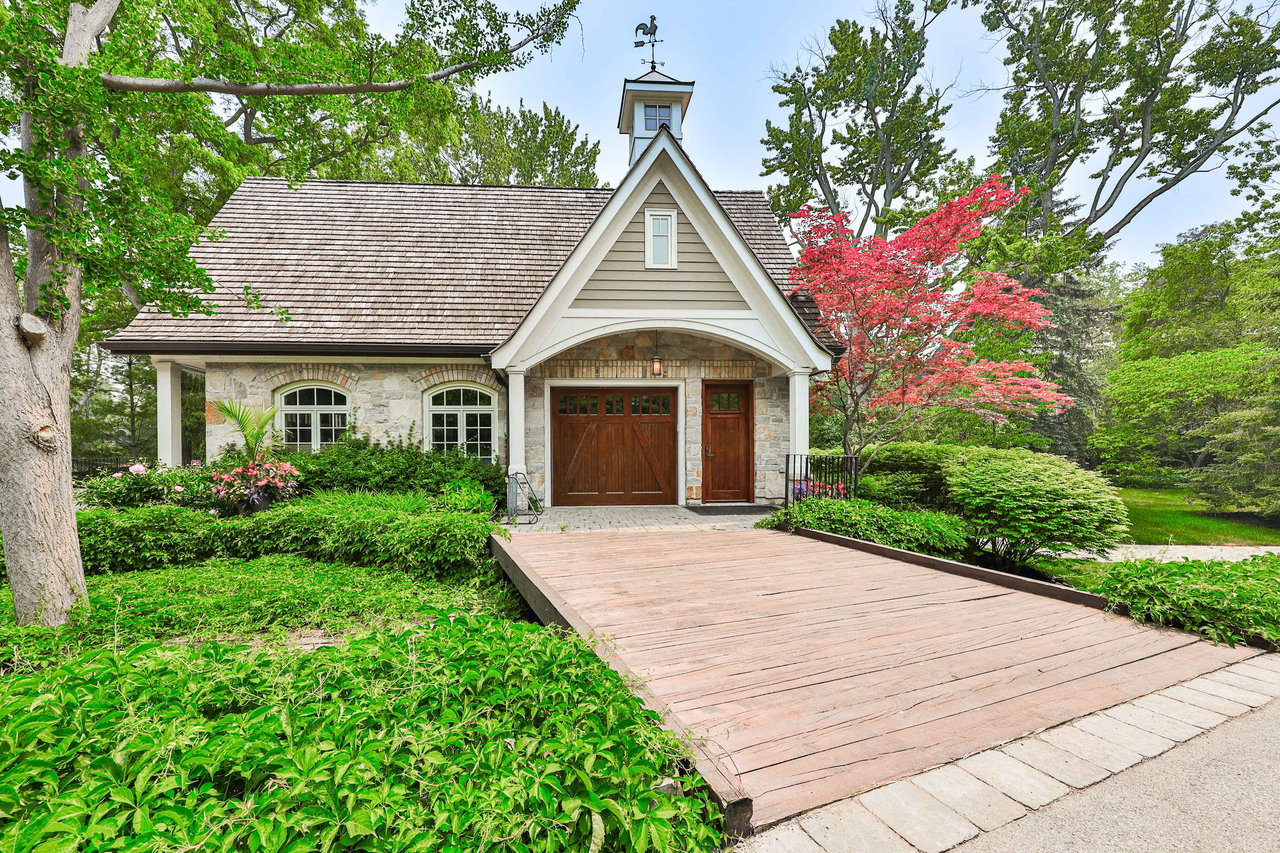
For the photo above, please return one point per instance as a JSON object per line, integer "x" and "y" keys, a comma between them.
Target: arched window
{"x": 461, "y": 418}
{"x": 313, "y": 416}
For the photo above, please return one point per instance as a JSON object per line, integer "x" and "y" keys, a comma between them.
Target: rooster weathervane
{"x": 651, "y": 30}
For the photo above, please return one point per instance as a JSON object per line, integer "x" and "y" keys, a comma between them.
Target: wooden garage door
{"x": 613, "y": 446}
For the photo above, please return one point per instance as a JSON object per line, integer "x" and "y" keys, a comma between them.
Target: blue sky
{"x": 728, "y": 47}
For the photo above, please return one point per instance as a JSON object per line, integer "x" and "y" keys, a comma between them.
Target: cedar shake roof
{"x": 385, "y": 268}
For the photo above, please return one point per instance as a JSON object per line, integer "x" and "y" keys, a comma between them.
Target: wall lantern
{"x": 656, "y": 367}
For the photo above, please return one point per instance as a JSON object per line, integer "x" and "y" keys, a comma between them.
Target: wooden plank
{"x": 820, "y": 670}
{"x": 552, "y": 608}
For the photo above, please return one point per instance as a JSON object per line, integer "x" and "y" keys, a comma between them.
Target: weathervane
{"x": 651, "y": 30}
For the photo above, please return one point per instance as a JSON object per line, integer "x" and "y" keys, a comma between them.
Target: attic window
{"x": 660, "y": 239}
{"x": 656, "y": 116}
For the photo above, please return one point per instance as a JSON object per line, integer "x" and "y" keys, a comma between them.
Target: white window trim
{"x": 649, "y": 215}
{"x": 657, "y": 117}
{"x": 492, "y": 409}
{"x": 315, "y": 411}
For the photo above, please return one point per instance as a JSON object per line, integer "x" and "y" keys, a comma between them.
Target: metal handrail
{"x": 518, "y": 486}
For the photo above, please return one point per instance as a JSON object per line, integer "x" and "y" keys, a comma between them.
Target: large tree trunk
{"x": 37, "y": 508}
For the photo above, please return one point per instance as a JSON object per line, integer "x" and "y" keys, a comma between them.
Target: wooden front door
{"x": 728, "y": 469}
{"x": 613, "y": 446}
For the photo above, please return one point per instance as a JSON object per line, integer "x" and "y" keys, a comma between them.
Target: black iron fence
{"x": 87, "y": 466}
{"x": 820, "y": 477}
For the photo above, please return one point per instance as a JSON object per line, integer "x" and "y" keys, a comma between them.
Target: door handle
{"x": 707, "y": 452}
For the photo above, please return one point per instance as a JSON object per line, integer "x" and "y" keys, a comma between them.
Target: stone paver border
{"x": 936, "y": 810}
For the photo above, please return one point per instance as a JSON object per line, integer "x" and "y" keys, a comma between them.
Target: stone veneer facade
{"x": 687, "y": 360}
{"x": 387, "y": 400}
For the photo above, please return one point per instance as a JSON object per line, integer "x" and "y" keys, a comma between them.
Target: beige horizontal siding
{"x": 621, "y": 280}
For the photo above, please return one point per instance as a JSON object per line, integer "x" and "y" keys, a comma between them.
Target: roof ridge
{"x": 373, "y": 183}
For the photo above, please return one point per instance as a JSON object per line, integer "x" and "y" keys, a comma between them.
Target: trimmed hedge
{"x": 348, "y": 529}
{"x": 897, "y": 489}
{"x": 933, "y": 533}
{"x": 924, "y": 461}
{"x": 1019, "y": 504}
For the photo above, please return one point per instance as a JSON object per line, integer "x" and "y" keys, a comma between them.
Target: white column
{"x": 515, "y": 421}
{"x": 168, "y": 413}
{"x": 799, "y": 411}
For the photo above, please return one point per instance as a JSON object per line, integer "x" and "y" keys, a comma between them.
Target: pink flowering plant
{"x": 145, "y": 483}
{"x": 256, "y": 483}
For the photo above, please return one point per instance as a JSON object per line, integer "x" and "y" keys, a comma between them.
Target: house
{"x": 626, "y": 346}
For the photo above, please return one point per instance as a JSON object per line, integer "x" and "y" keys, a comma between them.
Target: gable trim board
{"x": 769, "y": 326}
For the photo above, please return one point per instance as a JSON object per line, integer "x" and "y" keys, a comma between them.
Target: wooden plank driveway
{"x": 812, "y": 672}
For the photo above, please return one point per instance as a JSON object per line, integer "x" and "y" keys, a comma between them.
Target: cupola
{"x": 649, "y": 103}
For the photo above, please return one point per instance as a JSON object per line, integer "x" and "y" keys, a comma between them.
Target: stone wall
{"x": 687, "y": 360}
{"x": 386, "y": 399}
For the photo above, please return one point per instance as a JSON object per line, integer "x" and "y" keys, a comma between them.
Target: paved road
{"x": 1219, "y": 793}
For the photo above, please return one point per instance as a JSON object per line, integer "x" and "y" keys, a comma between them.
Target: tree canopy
{"x": 113, "y": 113}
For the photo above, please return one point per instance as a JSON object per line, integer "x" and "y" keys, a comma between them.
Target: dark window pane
{"x": 306, "y": 397}
{"x": 437, "y": 399}
{"x": 324, "y": 397}
{"x": 291, "y": 399}
{"x": 339, "y": 399}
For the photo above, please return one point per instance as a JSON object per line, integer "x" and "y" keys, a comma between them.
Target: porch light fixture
{"x": 656, "y": 366}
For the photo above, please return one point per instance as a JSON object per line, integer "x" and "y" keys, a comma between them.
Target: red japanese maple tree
{"x": 903, "y": 310}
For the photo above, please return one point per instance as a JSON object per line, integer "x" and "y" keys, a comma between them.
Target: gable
{"x": 603, "y": 288}
{"x": 620, "y": 281}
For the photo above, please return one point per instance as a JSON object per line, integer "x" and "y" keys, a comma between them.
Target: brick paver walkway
{"x": 576, "y": 519}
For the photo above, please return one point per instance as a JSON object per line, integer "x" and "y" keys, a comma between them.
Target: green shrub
{"x": 266, "y": 599}
{"x": 433, "y": 544}
{"x": 1218, "y": 599}
{"x": 1018, "y": 504}
{"x": 357, "y": 464}
{"x": 924, "y": 532}
{"x": 433, "y": 541}
{"x": 467, "y": 733}
{"x": 921, "y": 459}
{"x": 146, "y": 537}
{"x": 896, "y": 489}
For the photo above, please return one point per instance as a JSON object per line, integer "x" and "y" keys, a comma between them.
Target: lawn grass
{"x": 1174, "y": 517}
{"x": 262, "y": 599}
{"x": 1220, "y": 599}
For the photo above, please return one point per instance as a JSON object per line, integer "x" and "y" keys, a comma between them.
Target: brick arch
{"x": 331, "y": 373}
{"x": 442, "y": 374}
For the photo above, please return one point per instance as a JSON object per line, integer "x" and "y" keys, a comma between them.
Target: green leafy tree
{"x": 1245, "y": 449}
{"x": 864, "y": 126}
{"x": 1166, "y": 411}
{"x": 1108, "y": 108}
{"x": 96, "y": 100}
